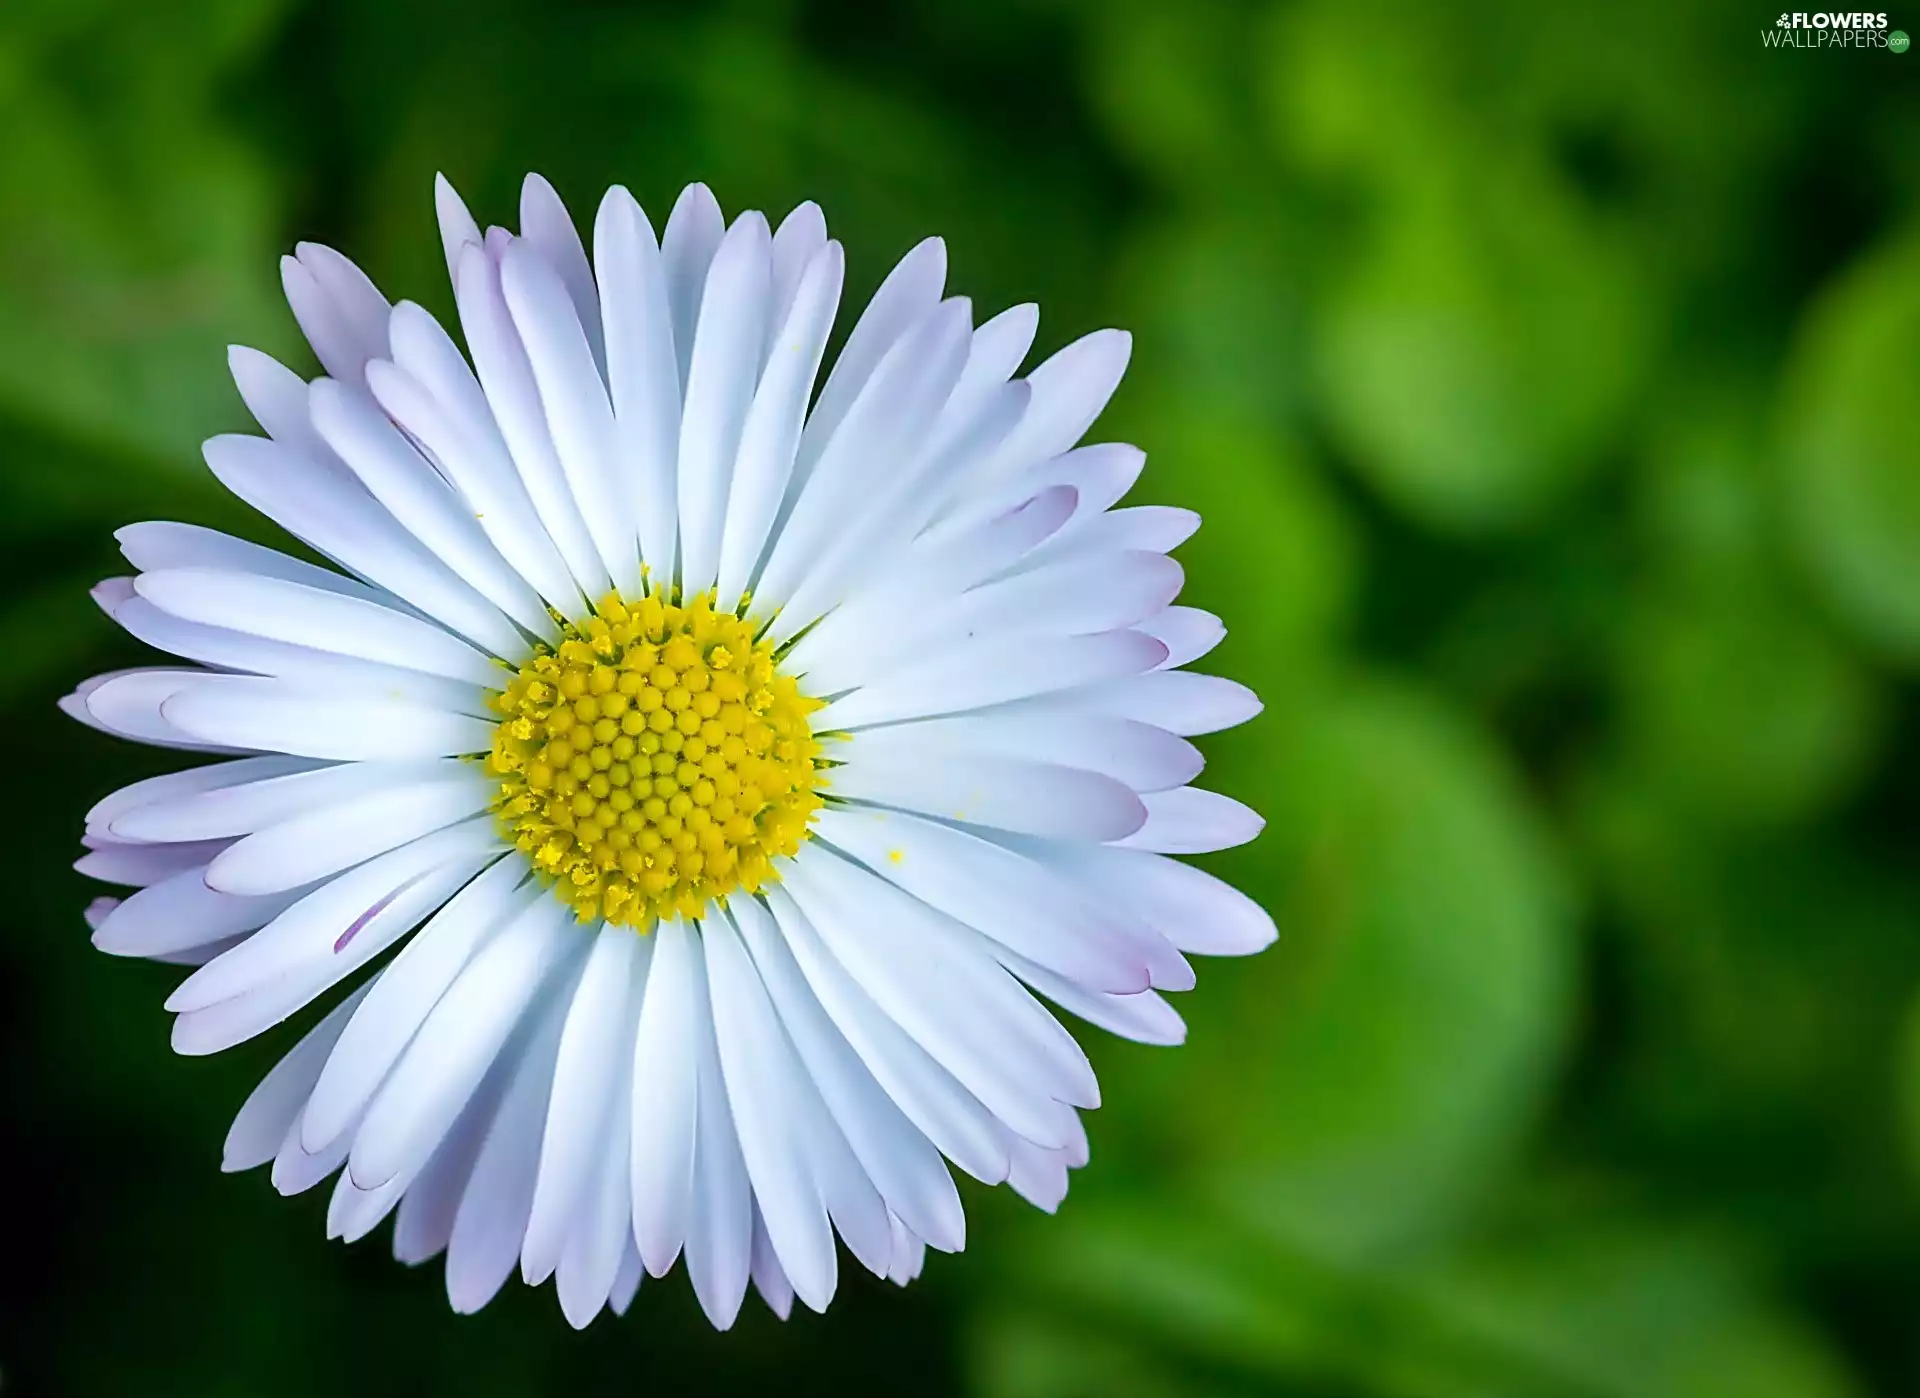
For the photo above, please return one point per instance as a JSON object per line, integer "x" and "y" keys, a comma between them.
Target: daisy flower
{"x": 690, "y": 778}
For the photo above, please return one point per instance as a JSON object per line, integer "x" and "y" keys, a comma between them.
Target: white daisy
{"x": 722, "y": 763}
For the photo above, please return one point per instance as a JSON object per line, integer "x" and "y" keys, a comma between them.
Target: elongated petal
{"x": 456, "y": 1047}
{"x": 1038, "y": 798}
{"x": 404, "y": 995}
{"x": 243, "y": 712}
{"x": 270, "y": 1112}
{"x": 665, "y": 1097}
{"x": 721, "y": 377}
{"x": 321, "y": 620}
{"x": 1191, "y": 821}
{"x": 643, "y": 370}
{"x": 1014, "y": 901}
{"x": 993, "y": 670}
{"x": 899, "y": 1159}
{"x": 595, "y": 1061}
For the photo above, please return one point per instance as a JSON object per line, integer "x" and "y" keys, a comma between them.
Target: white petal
{"x": 237, "y": 651}
{"x": 356, "y": 300}
{"x": 950, "y": 995}
{"x": 1191, "y": 821}
{"x": 853, "y": 1204}
{"x": 853, "y": 1201}
{"x": 432, "y": 395}
{"x": 1144, "y": 1017}
{"x": 424, "y": 1224}
{"x": 457, "y": 1045}
{"x": 406, "y": 992}
{"x": 578, "y": 416}
{"x": 273, "y": 1107}
{"x": 899, "y": 1159}
{"x": 171, "y": 787}
{"x": 352, "y": 1212}
{"x": 1039, "y": 1176}
{"x": 953, "y": 559}
{"x": 492, "y": 1221}
{"x": 308, "y": 616}
{"x": 420, "y": 500}
{"x": 995, "y": 353}
{"x": 796, "y": 242}
{"x": 1069, "y": 390}
{"x": 665, "y": 1094}
{"x": 1176, "y": 700}
{"x": 766, "y": 1096}
{"x": 838, "y": 652}
{"x": 234, "y": 1020}
{"x": 244, "y": 805}
{"x": 936, "y": 1102}
{"x": 992, "y": 670}
{"x": 720, "y": 1231}
{"x": 771, "y": 435}
{"x": 195, "y": 956}
{"x": 160, "y": 544}
{"x": 295, "y": 1171}
{"x": 242, "y": 711}
{"x": 601, "y": 1236}
{"x": 133, "y": 705}
{"x": 1074, "y": 596}
{"x": 457, "y": 227}
{"x": 768, "y": 1278}
{"x": 1016, "y": 902}
{"x": 547, "y": 227}
{"x": 1188, "y": 906}
{"x": 905, "y": 299}
{"x": 334, "y": 923}
{"x": 908, "y": 1256}
{"x": 1151, "y": 528}
{"x": 889, "y": 767}
{"x": 595, "y": 1063}
{"x": 876, "y": 440}
{"x": 721, "y": 377}
{"x": 274, "y": 394}
{"x": 882, "y": 528}
{"x": 333, "y": 512}
{"x": 340, "y": 312}
{"x": 142, "y": 865}
{"x": 513, "y": 396}
{"x": 1187, "y": 632}
{"x": 692, "y": 235}
{"x": 626, "y": 1282}
{"x": 1100, "y": 474}
{"x": 1137, "y": 754}
{"x": 643, "y": 370}
{"x": 182, "y": 912}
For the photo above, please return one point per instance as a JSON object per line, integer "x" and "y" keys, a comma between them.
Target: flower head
{"x": 725, "y": 763}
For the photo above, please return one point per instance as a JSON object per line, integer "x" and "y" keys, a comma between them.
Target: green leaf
{"x": 1363, "y": 1085}
{"x": 1571, "y": 1303}
{"x": 1274, "y": 554}
{"x": 1852, "y": 452}
{"x": 1744, "y": 704}
{"x": 137, "y": 234}
{"x": 1483, "y": 328}
{"x": 1478, "y": 355}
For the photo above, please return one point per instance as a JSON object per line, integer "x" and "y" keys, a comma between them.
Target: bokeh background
{"x": 1548, "y": 378}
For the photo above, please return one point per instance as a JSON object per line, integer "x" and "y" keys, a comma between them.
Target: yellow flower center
{"x": 655, "y": 762}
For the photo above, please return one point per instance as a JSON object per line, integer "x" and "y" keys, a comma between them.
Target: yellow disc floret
{"x": 655, "y": 762}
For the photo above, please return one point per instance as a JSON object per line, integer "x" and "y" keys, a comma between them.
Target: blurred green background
{"x": 1547, "y": 377}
